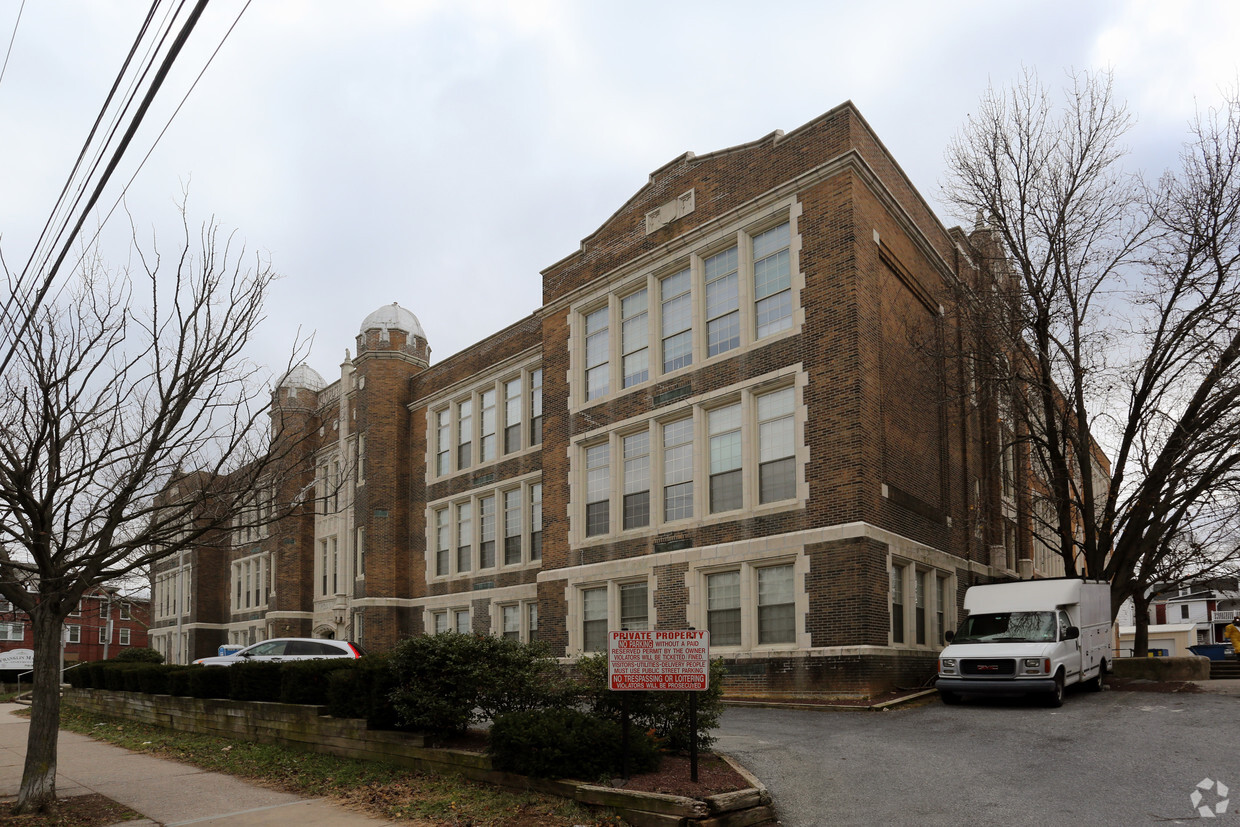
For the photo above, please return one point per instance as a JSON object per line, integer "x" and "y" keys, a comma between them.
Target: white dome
{"x": 302, "y": 376}
{"x": 393, "y": 317}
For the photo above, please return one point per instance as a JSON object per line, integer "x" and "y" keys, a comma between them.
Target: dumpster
{"x": 1213, "y": 651}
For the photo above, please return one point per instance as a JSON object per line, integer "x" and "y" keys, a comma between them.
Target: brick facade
{"x": 828, "y": 544}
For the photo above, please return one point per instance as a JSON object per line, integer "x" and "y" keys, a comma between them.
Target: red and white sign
{"x": 668, "y": 660}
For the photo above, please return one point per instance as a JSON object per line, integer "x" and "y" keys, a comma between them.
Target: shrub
{"x": 138, "y": 655}
{"x": 305, "y": 681}
{"x": 79, "y": 677}
{"x": 254, "y": 681}
{"x": 208, "y": 682}
{"x": 447, "y": 681}
{"x": 666, "y": 713}
{"x": 113, "y": 675}
{"x": 566, "y": 743}
{"x": 365, "y": 691}
{"x": 156, "y": 679}
{"x": 131, "y": 676}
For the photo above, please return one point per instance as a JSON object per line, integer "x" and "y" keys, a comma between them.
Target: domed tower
{"x": 393, "y": 328}
{"x": 391, "y": 349}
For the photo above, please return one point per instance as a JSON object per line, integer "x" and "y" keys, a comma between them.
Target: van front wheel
{"x": 1055, "y": 697}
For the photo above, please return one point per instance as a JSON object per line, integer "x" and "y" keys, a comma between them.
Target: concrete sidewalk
{"x": 166, "y": 792}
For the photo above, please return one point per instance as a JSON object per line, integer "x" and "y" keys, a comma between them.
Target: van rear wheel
{"x": 1095, "y": 683}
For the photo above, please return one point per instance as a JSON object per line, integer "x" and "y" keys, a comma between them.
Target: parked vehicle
{"x": 1029, "y": 637}
{"x": 281, "y": 649}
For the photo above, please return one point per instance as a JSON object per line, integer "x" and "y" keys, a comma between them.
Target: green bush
{"x": 178, "y": 680}
{"x": 138, "y": 655}
{"x": 365, "y": 691}
{"x": 114, "y": 676}
{"x": 132, "y": 675}
{"x": 447, "y": 681}
{"x": 209, "y": 682}
{"x": 254, "y": 681}
{"x": 156, "y": 679}
{"x": 666, "y": 713}
{"x": 91, "y": 674}
{"x": 305, "y": 681}
{"x": 79, "y": 677}
{"x": 566, "y": 743}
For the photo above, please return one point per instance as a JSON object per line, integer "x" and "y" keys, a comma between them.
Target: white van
{"x": 1032, "y": 636}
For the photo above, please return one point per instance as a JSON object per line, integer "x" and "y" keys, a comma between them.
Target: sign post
{"x": 663, "y": 661}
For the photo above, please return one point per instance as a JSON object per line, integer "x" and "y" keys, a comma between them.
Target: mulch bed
{"x": 79, "y": 811}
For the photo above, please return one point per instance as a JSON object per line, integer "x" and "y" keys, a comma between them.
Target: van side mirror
{"x": 948, "y": 635}
{"x": 1071, "y": 633}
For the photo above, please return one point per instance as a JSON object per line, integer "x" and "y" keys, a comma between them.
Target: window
{"x": 1184, "y": 611}
{"x": 442, "y": 541}
{"x": 103, "y": 635}
{"x": 443, "y": 442}
{"x": 531, "y": 618}
{"x": 677, "y": 310}
{"x": 635, "y": 336}
{"x": 105, "y": 609}
{"x": 772, "y": 281}
{"x": 776, "y": 605}
{"x": 594, "y": 619}
{"x": 126, "y": 611}
{"x": 359, "y": 552}
{"x": 536, "y": 521}
{"x": 123, "y": 637}
{"x": 510, "y": 617}
{"x": 439, "y": 622}
{"x": 598, "y": 489}
{"x": 464, "y": 537}
{"x": 486, "y": 527}
{"x": 460, "y": 619}
{"x": 512, "y": 527}
{"x": 637, "y": 480}
{"x": 634, "y": 614}
{"x": 725, "y": 458}
{"x": 922, "y": 604}
{"x": 598, "y": 354}
{"x": 512, "y": 415}
{"x": 919, "y": 604}
{"x": 77, "y": 610}
{"x": 776, "y": 449}
{"x": 897, "y": 603}
{"x": 678, "y": 470}
{"x": 723, "y": 612}
{"x": 324, "y": 571}
{"x": 723, "y": 318}
{"x": 943, "y": 599}
{"x": 519, "y": 621}
{"x": 12, "y": 631}
{"x": 486, "y": 446}
{"x": 536, "y": 413}
{"x": 361, "y": 459}
{"x": 750, "y": 445}
{"x": 251, "y": 582}
{"x": 465, "y": 432}
{"x": 73, "y": 634}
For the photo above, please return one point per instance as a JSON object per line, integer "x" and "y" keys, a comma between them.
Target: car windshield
{"x": 1005, "y": 627}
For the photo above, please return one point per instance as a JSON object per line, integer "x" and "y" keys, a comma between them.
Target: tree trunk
{"x": 38, "y": 789}
{"x": 1141, "y": 637}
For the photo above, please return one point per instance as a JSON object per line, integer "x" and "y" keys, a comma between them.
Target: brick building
{"x": 103, "y": 625}
{"x": 737, "y": 409}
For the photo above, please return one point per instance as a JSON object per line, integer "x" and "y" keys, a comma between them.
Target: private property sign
{"x": 668, "y": 660}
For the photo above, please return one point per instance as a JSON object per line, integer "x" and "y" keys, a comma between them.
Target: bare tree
{"x": 105, "y": 409}
{"x": 1121, "y": 326}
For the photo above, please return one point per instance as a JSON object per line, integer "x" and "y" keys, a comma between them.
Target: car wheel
{"x": 1055, "y": 697}
{"x": 949, "y": 698}
{"x": 1095, "y": 684}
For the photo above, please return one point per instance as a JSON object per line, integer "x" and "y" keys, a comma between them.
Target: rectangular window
{"x": 635, "y": 338}
{"x": 536, "y": 521}
{"x": 12, "y": 631}
{"x": 634, "y": 612}
{"x": 124, "y": 637}
{"x": 919, "y": 606}
{"x": 512, "y": 527}
{"x": 443, "y": 442}
{"x": 512, "y": 415}
{"x": 440, "y": 622}
{"x": 776, "y": 463}
{"x": 105, "y": 609}
{"x": 486, "y": 533}
{"x": 464, "y": 537}
{"x": 361, "y": 458}
{"x": 359, "y": 551}
{"x": 772, "y": 281}
{"x": 897, "y": 604}
{"x": 126, "y": 612}
{"x": 678, "y": 470}
{"x": 531, "y": 614}
{"x": 943, "y": 600}
{"x": 443, "y": 539}
{"x": 323, "y": 566}
{"x": 536, "y": 413}
{"x": 337, "y": 484}
{"x": 723, "y": 317}
{"x": 486, "y": 444}
{"x": 73, "y": 634}
{"x": 461, "y": 619}
{"x": 511, "y": 619}
{"x": 724, "y": 425}
{"x": 723, "y": 608}
{"x": 464, "y": 433}
{"x": 676, "y": 297}
{"x": 249, "y": 582}
{"x": 637, "y": 480}
{"x": 594, "y": 619}
{"x": 776, "y": 605}
{"x": 103, "y": 634}
{"x": 598, "y": 489}
{"x": 598, "y": 354}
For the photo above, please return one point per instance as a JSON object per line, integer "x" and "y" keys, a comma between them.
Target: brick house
{"x": 742, "y": 407}
{"x": 103, "y": 625}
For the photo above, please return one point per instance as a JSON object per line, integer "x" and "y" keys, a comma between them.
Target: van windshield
{"x": 1005, "y": 627}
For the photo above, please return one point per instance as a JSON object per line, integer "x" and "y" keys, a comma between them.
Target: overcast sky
{"x": 441, "y": 154}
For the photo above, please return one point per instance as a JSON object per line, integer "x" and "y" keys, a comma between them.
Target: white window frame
{"x": 738, "y": 237}
{"x": 527, "y": 405}
{"x": 698, "y": 409}
{"x": 748, "y": 580}
{"x": 73, "y": 634}
{"x": 250, "y": 584}
{"x": 526, "y": 633}
{"x": 474, "y": 499}
{"x": 937, "y": 585}
{"x": 576, "y": 629}
{"x": 123, "y": 637}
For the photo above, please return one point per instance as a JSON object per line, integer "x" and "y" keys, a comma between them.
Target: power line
{"x": 12, "y": 37}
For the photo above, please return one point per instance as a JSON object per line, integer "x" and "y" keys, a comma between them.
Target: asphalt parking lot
{"x": 1114, "y": 758}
